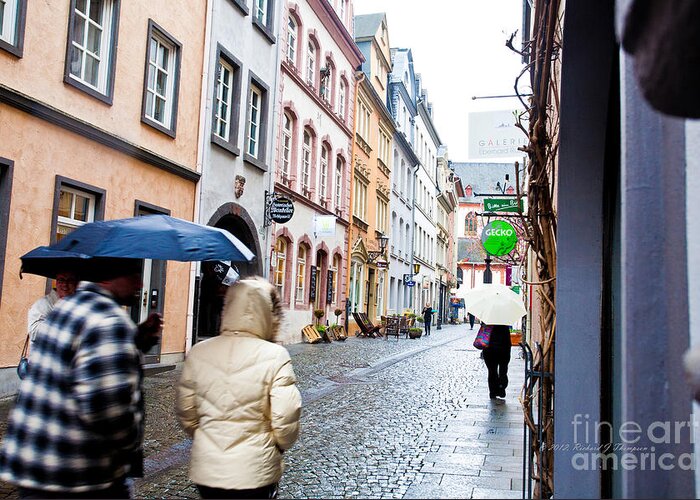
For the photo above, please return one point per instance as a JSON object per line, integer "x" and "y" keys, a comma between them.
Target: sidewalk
{"x": 381, "y": 419}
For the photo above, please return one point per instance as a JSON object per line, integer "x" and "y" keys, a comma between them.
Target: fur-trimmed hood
{"x": 252, "y": 306}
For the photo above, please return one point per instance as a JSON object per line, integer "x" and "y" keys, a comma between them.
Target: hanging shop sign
{"x": 281, "y": 209}
{"x": 312, "y": 284}
{"x": 502, "y": 205}
{"x": 499, "y": 238}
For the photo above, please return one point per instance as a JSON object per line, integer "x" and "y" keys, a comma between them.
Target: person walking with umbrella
{"x": 497, "y": 306}
{"x": 497, "y": 358}
{"x": 77, "y": 426}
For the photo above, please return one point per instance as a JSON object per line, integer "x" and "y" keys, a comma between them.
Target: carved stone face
{"x": 239, "y": 185}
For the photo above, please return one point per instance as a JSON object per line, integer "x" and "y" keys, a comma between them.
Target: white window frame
{"x": 166, "y": 94}
{"x": 334, "y": 284}
{"x": 224, "y": 82}
{"x": 382, "y": 211}
{"x": 254, "y": 120}
{"x": 323, "y": 173}
{"x": 287, "y": 130}
{"x": 338, "y": 183}
{"x": 360, "y": 204}
{"x": 384, "y": 146}
{"x": 300, "y": 278}
{"x": 306, "y": 162}
{"x": 280, "y": 265}
{"x": 311, "y": 63}
{"x": 70, "y": 222}
{"x": 10, "y": 19}
{"x": 102, "y": 55}
{"x": 341, "y": 99}
{"x": 356, "y": 285}
{"x": 292, "y": 37}
{"x": 261, "y": 7}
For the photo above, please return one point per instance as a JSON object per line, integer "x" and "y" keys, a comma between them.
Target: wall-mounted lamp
{"x": 416, "y": 268}
{"x": 373, "y": 255}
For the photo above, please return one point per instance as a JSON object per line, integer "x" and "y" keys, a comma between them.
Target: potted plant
{"x": 319, "y": 313}
{"x": 415, "y": 332}
{"x": 420, "y": 319}
{"x": 321, "y": 329}
{"x": 337, "y": 313}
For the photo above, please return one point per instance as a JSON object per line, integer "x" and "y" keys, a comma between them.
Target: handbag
{"x": 483, "y": 337}
{"x": 23, "y": 365}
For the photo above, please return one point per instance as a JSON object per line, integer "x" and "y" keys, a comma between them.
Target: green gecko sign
{"x": 499, "y": 237}
{"x": 502, "y": 205}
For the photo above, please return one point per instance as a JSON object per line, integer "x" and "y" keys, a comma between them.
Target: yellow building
{"x": 370, "y": 175}
{"x": 99, "y": 117}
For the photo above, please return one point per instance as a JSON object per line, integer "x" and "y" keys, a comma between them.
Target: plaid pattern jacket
{"x": 78, "y": 419}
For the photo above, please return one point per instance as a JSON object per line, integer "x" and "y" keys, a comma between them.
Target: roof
{"x": 482, "y": 177}
{"x": 367, "y": 25}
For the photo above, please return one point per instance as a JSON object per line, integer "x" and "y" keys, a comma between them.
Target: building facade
{"x": 237, "y": 131}
{"x": 405, "y": 163}
{"x": 445, "y": 263}
{"x": 371, "y": 174}
{"x": 96, "y": 129}
{"x": 314, "y": 128}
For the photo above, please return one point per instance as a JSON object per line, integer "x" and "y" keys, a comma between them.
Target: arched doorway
{"x": 234, "y": 219}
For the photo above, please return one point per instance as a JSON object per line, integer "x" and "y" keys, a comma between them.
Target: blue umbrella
{"x": 146, "y": 237}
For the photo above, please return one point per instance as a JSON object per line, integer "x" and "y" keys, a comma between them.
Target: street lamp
{"x": 373, "y": 255}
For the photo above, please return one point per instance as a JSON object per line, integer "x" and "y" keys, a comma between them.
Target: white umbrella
{"x": 494, "y": 304}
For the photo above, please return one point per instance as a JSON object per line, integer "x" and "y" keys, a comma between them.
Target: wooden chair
{"x": 367, "y": 329}
{"x": 311, "y": 334}
{"x": 392, "y": 326}
{"x": 337, "y": 332}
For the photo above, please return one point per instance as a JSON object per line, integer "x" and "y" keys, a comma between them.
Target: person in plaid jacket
{"x": 77, "y": 426}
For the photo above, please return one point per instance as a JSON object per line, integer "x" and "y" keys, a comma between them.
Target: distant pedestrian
{"x": 66, "y": 283}
{"x": 471, "y": 321}
{"x": 237, "y": 398}
{"x": 427, "y": 317}
{"x": 497, "y": 357}
{"x": 77, "y": 426}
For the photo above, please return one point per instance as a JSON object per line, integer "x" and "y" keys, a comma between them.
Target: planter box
{"x": 415, "y": 335}
{"x": 516, "y": 338}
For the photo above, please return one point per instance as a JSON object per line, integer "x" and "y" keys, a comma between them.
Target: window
{"x": 301, "y": 274}
{"x": 327, "y": 82}
{"x": 384, "y": 145}
{"x": 162, "y": 74}
{"x": 380, "y": 292}
{"x": 311, "y": 64}
{"x": 256, "y": 122}
{"x": 292, "y": 41}
{"x": 12, "y": 14}
{"x": 261, "y": 11}
{"x": 338, "y": 184}
{"x": 382, "y": 212}
{"x": 306, "y": 164}
{"x": 254, "y": 108}
{"x": 470, "y": 224}
{"x": 91, "y": 47}
{"x": 323, "y": 175}
{"x": 280, "y": 265}
{"x": 343, "y": 6}
{"x": 360, "y": 204}
{"x": 334, "y": 279}
{"x": 286, "y": 145}
{"x": 363, "y": 122}
{"x": 223, "y": 101}
{"x": 226, "y": 99}
{"x": 341, "y": 99}
{"x": 75, "y": 208}
{"x": 356, "y": 281}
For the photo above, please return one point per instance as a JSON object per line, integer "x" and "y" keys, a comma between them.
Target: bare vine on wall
{"x": 539, "y": 224}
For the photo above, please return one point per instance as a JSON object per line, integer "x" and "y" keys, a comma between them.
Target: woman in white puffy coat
{"x": 237, "y": 398}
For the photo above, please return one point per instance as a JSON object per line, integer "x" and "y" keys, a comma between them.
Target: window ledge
{"x": 265, "y": 31}
{"x": 255, "y": 162}
{"x": 231, "y": 148}
{"x": 158, "y": 126}
{"x": 241, "y": 6}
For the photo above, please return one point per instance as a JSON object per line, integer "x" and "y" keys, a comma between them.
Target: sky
{"x": 459, "y": 49}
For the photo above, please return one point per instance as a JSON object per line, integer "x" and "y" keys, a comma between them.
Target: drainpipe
{"x": 359, "y": 78}
{"x": 204, "y": 108}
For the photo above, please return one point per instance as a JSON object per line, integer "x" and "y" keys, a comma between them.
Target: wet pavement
{"x": 381, "y": 419}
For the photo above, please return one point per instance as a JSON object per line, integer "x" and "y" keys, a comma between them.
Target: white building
{"x": 236, "y": 133}
{"x": 314, "y": 127}
{"x": 404, "y": 165}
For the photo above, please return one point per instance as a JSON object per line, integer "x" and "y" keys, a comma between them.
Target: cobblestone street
{"x": 381, "y": 419}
